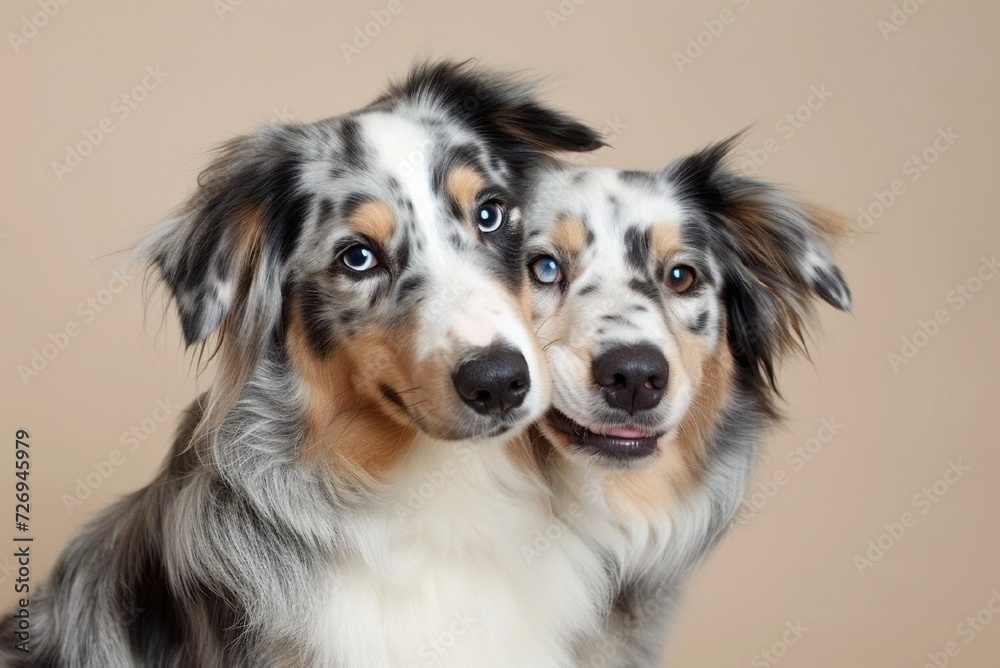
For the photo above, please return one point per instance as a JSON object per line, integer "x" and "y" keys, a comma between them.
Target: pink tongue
{"x": 625, "y": 432}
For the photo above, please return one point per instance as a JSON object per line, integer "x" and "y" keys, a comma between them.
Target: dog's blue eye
{"x": 359, "y": 258}
{"x": 546, "y": 270}
{"x": 490, "y": 216}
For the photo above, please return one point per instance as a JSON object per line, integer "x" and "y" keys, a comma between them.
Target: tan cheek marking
{"x": 694, "y": 353}
{"x": 374, "y": 220}
{"x": 713, "y": 386}
{"x": 436, "y": 390}
{"x": 569, "y": 236}
{"x": 525, "y": 301}
{"x": 347, "y": 425}
{"x": 682, "y": 460}
{"x": 464, "y": 186}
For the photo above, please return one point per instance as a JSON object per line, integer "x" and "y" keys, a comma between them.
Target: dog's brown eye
{"x": 681, "y": 278}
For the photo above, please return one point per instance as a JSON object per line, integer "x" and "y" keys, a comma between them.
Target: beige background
{"x": 228, "y": 67}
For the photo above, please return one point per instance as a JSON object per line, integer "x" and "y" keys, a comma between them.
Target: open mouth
{"x": 615, "y": 441}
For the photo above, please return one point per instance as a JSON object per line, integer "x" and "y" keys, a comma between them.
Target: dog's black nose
{"x": 494, "y": 382}
{"x": 632, "y": 378}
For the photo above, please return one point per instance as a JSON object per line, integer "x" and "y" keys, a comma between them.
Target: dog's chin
{"x": 611, "y": 445}
{"x": 474, "y": 427}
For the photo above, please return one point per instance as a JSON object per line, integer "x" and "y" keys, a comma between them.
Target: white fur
{"x": 465, "y": 564}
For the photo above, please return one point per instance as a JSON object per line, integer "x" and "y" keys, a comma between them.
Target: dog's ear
{"x": 223, "y": 254}
{"x": 497, "y": 106}
{"x": 540, "y": 127}
{"x": 774, "y": 251}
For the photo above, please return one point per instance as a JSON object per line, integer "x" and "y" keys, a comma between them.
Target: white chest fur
{"x": 466, "y": 564}
{"x": 662, "y": 538}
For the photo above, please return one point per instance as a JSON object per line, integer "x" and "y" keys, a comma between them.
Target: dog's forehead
{"x": 407, "y": 145}
{"x": 400, "y": 160}
{"x": 381, "y": 144}
{"x": 607, "y": 204}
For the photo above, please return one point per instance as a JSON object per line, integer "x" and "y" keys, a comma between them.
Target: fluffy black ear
{"x": 774, "y": 251}
{"x": 497, "y": 106}
{"x": 222, "y": 254}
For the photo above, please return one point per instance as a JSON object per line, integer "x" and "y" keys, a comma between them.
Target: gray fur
{"x": 761, "y": 257}
{"x": 217, "y": 561}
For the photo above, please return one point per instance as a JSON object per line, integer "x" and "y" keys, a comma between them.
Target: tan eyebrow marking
{"x": 464, "y": 186}
{"x": 665, "y": 239}
{"x": 569, "y": 236}
{"x": 374, "y": 220}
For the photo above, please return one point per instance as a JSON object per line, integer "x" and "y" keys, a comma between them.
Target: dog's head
{"x": 657, "y": 294}
{"x": 379, "y": 255}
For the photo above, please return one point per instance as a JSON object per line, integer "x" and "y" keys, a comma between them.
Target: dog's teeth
{"x": 625, "y": 432}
